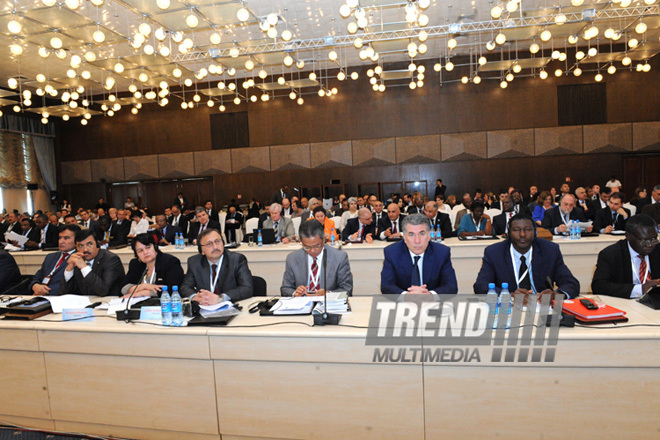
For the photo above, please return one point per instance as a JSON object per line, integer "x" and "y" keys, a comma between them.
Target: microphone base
{"x": 326, "y": 319}
{"x": 128, "y": 315}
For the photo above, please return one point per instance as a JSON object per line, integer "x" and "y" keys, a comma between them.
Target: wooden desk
{"x": 367, "y": 260}
{"x": 298, "y": 382}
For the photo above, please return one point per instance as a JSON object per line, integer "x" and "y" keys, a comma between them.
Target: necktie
{"x": 613, "y": 218}
{"x": 43, "y": 235}
{"x": 524, "y": 283}
{"x": 176, "y": 221}
{"x": 415, "y": 278}
{"x": 313, "y": 286}
{"x": 107, "y": 236}
{"x": 642, "y": 270}
{"x": 61, "y": 260}
{"x": 215, "y": 273}
{"x": 276, "y": 230}
{"x": 201, "y": 228}
{"x": 359, "y": 233}
{"x": 516, "y": 208}
{"x": 393, "y": 227}
{"x": 26, "y": 232}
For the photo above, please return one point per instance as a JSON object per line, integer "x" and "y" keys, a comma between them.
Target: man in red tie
{"x": 216, "y": 274}
{"x": 629, "y": 268}
{"x": 390, "y": 226}
{"x": 47, "y": 279}
{"x": 360, "y": 229}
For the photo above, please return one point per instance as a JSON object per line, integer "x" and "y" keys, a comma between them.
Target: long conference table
{"x": 280, "y": 378}
{"x": 366, "y": 260}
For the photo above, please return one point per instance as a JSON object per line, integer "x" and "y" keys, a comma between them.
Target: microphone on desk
{"x": 565, "y": 320}
{"x": 326, "y": 318}
{"x": 126, "y": 314}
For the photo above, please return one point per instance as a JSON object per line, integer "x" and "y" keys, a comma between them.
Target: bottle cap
{"x": 505, "y": 285}
{"x": 491, "y": 285}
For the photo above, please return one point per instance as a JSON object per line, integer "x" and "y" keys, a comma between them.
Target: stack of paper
{"x": 337, "y": 303}
{"x": 300, "y": 305}
{"x": 225, "y": 308}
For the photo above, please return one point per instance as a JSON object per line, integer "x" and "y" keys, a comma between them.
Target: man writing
{"x": 612, "y": 218}
{"x": 558, "y": 218}
{"x": 306, "y": 271}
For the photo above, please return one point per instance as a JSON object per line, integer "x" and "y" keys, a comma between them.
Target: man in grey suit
{"x": 217, "y": 274}
{"x": 91, "y": 270}
{"x": 284, "y": 230}
{"x": 304, "y": 273}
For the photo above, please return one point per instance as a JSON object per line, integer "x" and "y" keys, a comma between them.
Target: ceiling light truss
{"x": 432, "y": 31}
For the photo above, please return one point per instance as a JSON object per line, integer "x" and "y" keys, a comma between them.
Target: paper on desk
{"x": 585, "y": 225}
{"x": 294, "y": 306}
{"x": 13, "y": 236}
{"x": 57, "y": 303}
{"x": 224, "y": 308}
{"x": 117, "y": 304}
{"x": 11, "y": 247}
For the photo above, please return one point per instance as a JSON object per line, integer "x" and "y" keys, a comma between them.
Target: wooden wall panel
{"x": 374, "y": 152}
{"x": 607, "y": 138}
{"x": 108, "y": 170}
{"x": 331, "y": 154}
{"x": 418, "y": 149}
{"x": 209, "y": 163}
{"x": 646, "y": 136}
{"x": 558, "y": 140}
{"x": 141, "y": 167}
{"x": 79, "y": 171}
{"x": 464, "y": 146}
{"x": 510, "y": 143}
{"x": 289, "y": 157}
{"x": 245, "y": 160}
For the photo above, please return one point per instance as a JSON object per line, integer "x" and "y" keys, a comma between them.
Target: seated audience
{"x": 544, "y": 202}
{"x": 501, "y": 221}
{"x": 203, "y": 223}
{"x": 282, "y": 226}
{"x": 328, "y": 223}
{"x": 49, "y": 277}
{"x": 612, "y": 218}
{"x": 391, "y": 227}
{"x": 352, "y": 212}
{"x": 164, "y": 232}
{"x": 476, "y": 222}
{"x": 557, "y": 219}
{"x": 233, "y": 222}
{"x": 360, "y": 228}
{"x": 139, "y": 225}
{"x": 438, "y": 221}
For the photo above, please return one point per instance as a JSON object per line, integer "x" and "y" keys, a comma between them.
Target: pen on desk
{"x": 94, "y": 305}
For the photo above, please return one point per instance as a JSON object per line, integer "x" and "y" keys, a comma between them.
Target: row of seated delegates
{"x": 41, "y": 233}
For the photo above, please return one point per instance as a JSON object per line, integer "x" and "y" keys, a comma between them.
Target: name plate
{"x": 151, "y": 313}
{"x": 80, "y": 315}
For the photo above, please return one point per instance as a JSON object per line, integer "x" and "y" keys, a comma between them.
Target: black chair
{"x": 22, "y": 288}
{"x": 259, "y": 286}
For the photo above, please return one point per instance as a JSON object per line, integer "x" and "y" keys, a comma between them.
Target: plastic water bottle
{"x": 432, "y": 233}
{"x": 177, "y": 307}
{"x": 260, "y": 239}
{"x": 166, "y": 307}
{"x": 332, "y": 237}
{"x": 438, "y": 234}
{"x": 181, "y": 245}
{"x": 571, "y": 229}
{"x": 177, "y": 244}
{"x": 505, "y": 301}
{"x": 491, "y": 301}
{"x": 578, "y": 231}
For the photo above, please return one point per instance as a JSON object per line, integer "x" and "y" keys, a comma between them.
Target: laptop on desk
{"x": 267, "y": 235}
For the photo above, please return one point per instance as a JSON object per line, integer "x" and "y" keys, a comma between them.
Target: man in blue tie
{"x": 416, "y": 265}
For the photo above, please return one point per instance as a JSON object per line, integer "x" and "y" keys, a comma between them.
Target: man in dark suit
{"x": 30, "y": 231}
{"x": 10, "y": 274}
{"x": 165, "y": 233}
{"x": 378, "y": 214}
{"x": 629, "y": 268}
{"x": 653, "y": 211}
{"x": 92, "y": 271}
{"x": 178, "y": 219}
{"x": 48, "y": 234}
{"x": 87, "y": 223}
{"x": 48, "y": 278}
{"x": 360, "y": 228}
{"x": 281, "y": 194}
{"x": 600, "y": 202}
{"x": 524, "y": 261}
{"x": 651, "y": 199}
{"x": 519, "y": 207}
{"x": 203, "y": 223}
{"x": 233, "y": 222}
{"x": 120, "y": 229}
{"x": 181, "y": 201}
{"x": 612, "y": 218}
{"x": 582, "y": 201}
{"x": 217, "y": 274}
{"x": 557, "y": 219}
{"x": 306, "y": 271}
{"x": 391, "y": 226}
{"x": 439, "y": 221}
{"x": 440, "y": 189}
{"x": 497, "y": 204}
{"x": 417, "y": 206}
{"x": 500, "y": 221}
{"x": 213, "y": 214}
{"x": 416, "y": 265}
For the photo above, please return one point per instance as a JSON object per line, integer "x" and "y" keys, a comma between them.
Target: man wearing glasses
{"x": 306, "y": 271}
{"x": 216, "y": 274}
{"x": 90, "y": 270}
{"x": 629, "y": 268}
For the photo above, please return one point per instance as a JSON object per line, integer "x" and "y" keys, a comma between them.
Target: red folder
{"x": 607, "y": 313}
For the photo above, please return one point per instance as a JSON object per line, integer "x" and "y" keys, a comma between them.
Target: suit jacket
{"x": 442, "y": 221}
{"x": 522, "y": 209}
{"x": 34, "y": 234}
{"x": 338, "y": 274}
{"x": 178, "y": 203}
{"x": 168, "y": 271}
{"x": 15, "y": 228}
{"x": 10, "y": 274}
{"x": 641, "y": 203}
{"x": 194, "y": 229}
{"x": 170, "y": 233}
{"x": 238, "y": 217}
{"x": 499, "y": 223}
{"x": 353, "y": 226}
{"x": 653, "y": 211}
{"x": 386, "y": 223}
{"x": 547, "y": 260}
{"x": 183, "y": 223}
{"x": 277, "y": 196}
{"x": 214, "y": 215}
{"x": 588, "y": 212}
{"x": 595, "y": 206}
{"x": 234, "y": 280}
{"x": 119, "y": 233}
{"x": 285, "y": 228}
{"x": 552, "y": 218}
{"x": 383, "y": 214}
{"x": 105, "y": 279}
{"x": 412, "y": 209}
{"x": 262, "y": 218}
{"x": 603, "y": 219}
{"x": 438, "y": 273}
{"x": 46, "y": 267}
{"x": 613, "y": 275}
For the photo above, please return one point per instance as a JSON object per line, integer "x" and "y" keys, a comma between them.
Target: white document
{"x": 13, "y": 236}
{"x": 117, "y": 304}
{"x": 57, "y": 303}
{"x": 224, "y": 308}
{"x": 298, "y": 305}
{"x": 11, "y": 248}
{"x": 585, "y": 225}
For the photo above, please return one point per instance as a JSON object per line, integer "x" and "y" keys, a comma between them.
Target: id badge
{"x": 45, "y": 281}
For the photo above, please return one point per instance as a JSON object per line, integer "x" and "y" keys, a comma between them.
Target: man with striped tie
{"x": 47, "y": 279}
{"x": 316, "y": 267}
{"x": 629, "y": 268}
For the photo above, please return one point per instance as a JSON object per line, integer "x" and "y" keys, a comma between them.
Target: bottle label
{"x": 176, "y": 307}
{"x": 166, "y": 308}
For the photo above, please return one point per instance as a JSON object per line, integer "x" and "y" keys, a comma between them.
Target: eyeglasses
{"x": 214, "y": 243}
{"x": 315, "y": 247}
{"x": 649, "y": 242}
{"x": 88, "y": 245}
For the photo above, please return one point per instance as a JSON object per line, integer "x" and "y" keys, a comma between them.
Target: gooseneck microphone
{"x": 126, "y": 314}
{"x": 326, "y": 318}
